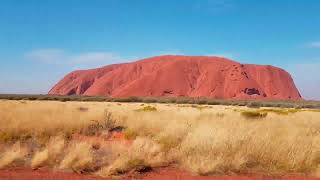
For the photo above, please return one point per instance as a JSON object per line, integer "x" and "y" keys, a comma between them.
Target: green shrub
{"x": 134, "y": 99}
{"x": 127, "y": 99}
{"x": 254, "y": 114}
{"x": 184, "y": 100}
{"x": 213, "y": 102}
{"x": 178, "y": 100}
{"x": 202, "y": 101}
{"x": 147, "y": 109}
{"x": 149, "y": 100}
{"x": 281, "y": 111}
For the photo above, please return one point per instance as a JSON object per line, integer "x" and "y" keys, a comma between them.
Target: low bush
{"x": 98, "y": 126}
{"x": 254, "y": 104}
{"x": 214, "y": 102}
{"x": 184, "y": 101}
{"x": 280, "y": 111}
{"x": 178, "y": 100}
{"x": 129, "y": 99}
{"x": 202, "y": 101}
{"x": 149, "y": 100}
{"x": 254, "y": 114}
{"x": 147, "y": 109}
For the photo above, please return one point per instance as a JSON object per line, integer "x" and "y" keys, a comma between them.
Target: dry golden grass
{"x": 143, "y": 153}
{"x": 147, "y": 109}
{"x": 49, "y": 154}
{"x": 40, "y": 158}
{"x": 43, "y": 119}
{"x": 15, "y": 154}
{"x": 206, "y": 140}
{"x": 78, "y": 158}
{"x": 254, "y": 114}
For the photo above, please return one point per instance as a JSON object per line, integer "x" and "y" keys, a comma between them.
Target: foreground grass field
{"x": 109, "y": 138}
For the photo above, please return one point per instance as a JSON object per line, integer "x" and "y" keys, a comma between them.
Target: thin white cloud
{"x": 61, "y": 57}
{"x": 307, "y": 79}
{"x": 223, "y": 55}
{"x": 94, "y": 57}
{"x": 51, "y": 56}
{"x": 315, "y": 44}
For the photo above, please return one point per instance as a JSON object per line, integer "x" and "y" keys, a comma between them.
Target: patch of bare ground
{"x": 167, "y": 173}
{"x": 43, "y": 174}
{"x": 175, "y": 174}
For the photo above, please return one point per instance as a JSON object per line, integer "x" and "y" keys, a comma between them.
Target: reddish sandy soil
{"x": 157, "y": 174}
{"x": 170, "y": 173}
{"x": 29, "y": 174}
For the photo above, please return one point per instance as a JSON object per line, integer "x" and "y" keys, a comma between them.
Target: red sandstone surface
{"x": 174, "y": 76}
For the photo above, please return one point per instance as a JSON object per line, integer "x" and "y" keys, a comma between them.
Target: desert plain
{"x": 96, "y": 140}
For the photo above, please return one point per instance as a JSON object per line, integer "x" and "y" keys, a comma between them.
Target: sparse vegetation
{"x": 178, "y": 100}
{"x": 130, "y": 134}
{"x": 97, "y": 126}
{"x": 147, "y": 109}
{"x": 282, "y": 111}
{"x": 254, "y": 114}
{"x": 254, "y": 104}
{"x": 58, "y": 135}
{"x": 199, "y": 107}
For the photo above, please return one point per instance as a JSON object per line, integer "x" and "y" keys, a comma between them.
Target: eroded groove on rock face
{"x": 193, "y": 76}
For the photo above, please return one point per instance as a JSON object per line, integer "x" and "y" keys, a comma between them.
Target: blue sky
{"x": 40, "y": 41}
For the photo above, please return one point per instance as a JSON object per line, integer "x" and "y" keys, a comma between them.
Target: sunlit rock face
{"x": 174, "y": 76}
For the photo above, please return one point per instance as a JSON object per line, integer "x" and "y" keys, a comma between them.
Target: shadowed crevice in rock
{"x": 251, "y": 91}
